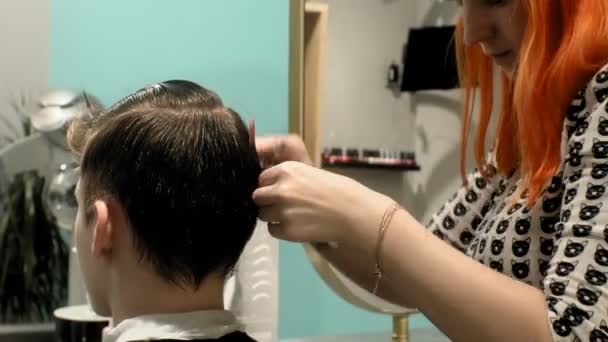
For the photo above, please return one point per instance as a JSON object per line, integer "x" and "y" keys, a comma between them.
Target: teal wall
{"x": 239, "y": 48}
{"x": 308, "y": 307}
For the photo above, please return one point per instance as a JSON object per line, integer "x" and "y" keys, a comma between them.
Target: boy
{"x": 164, "y": 212}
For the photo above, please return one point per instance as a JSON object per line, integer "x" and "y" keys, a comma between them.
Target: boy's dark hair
{"x": 181, "y": 166}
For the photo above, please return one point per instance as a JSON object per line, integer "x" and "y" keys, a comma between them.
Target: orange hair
{"x": 565, "y": 44}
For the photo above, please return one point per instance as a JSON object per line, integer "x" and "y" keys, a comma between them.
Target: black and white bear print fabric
{"x": 560, "y": 245}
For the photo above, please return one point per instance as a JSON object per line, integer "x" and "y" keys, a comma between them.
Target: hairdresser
{"x": 520, "y": 252}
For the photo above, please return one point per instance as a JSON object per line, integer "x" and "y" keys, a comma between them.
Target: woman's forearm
{"x": 466, "y": 300}
{"x": 359, "y": 269}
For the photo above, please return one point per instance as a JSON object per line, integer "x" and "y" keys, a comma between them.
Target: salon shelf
{"x": 362, "y": 165}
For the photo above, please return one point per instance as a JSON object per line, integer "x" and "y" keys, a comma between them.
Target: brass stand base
{"x": 400, "y": 328}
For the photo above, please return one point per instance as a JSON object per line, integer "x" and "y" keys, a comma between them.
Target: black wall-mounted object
{"x": 429, "y": 60}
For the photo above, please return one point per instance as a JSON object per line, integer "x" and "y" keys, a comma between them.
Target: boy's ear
{"x": 102, "y": 229}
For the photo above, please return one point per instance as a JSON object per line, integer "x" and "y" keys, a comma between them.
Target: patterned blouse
{"x": 560, "y": 245}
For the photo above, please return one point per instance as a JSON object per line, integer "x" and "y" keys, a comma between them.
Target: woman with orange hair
{"x": 529, "y": 229}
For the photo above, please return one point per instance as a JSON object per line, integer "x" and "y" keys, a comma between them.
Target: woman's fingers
{"x": 274, "y": 184}
{"x": 277, "y": 149}
{"x": 267, "y": 151}
{"x": 265, "y": 196}
{"x": 271, "y": 214}
{"x": 278, "y": 231}
{"x": 270, "y": 176}
{"x": 266, "y": 145}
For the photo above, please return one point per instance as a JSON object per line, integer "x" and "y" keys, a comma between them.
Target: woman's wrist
{"x": 364, "y": 217}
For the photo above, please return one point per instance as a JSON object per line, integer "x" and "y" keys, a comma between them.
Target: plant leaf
{"x": 34, "y": 257}
{"x": 29, "y": 254}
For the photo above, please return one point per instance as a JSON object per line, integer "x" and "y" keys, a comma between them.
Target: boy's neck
{"x": 149, "y": 295}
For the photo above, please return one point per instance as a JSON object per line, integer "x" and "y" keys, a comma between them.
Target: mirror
{"x": 309, "y": 36}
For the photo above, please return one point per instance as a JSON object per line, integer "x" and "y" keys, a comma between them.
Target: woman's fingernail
{"x": 279, "y": 147}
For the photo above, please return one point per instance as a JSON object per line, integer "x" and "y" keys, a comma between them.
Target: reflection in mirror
{"x": 33, "y": 256}
{"x": 314, "y": 38}
{"x": 59, "y": 196}
{"x": 357, "y": 118}
{"x": 38, "y": 208}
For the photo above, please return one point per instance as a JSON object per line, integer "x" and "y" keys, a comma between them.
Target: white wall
{"x": 365, "y": 36}
{"x": 24, "y": 39}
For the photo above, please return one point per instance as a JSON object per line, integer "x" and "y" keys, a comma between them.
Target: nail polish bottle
{"x": 353, "y": 155}
{"x": 325, "y": 155}
{"x": 395, "y": 158}
{"x": 335, "y": 154}
{"x": 370, "y": 156}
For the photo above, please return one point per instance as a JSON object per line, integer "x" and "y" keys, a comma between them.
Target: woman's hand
{"x": 277, "y": 149}
{"x": 306, "y": 204}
